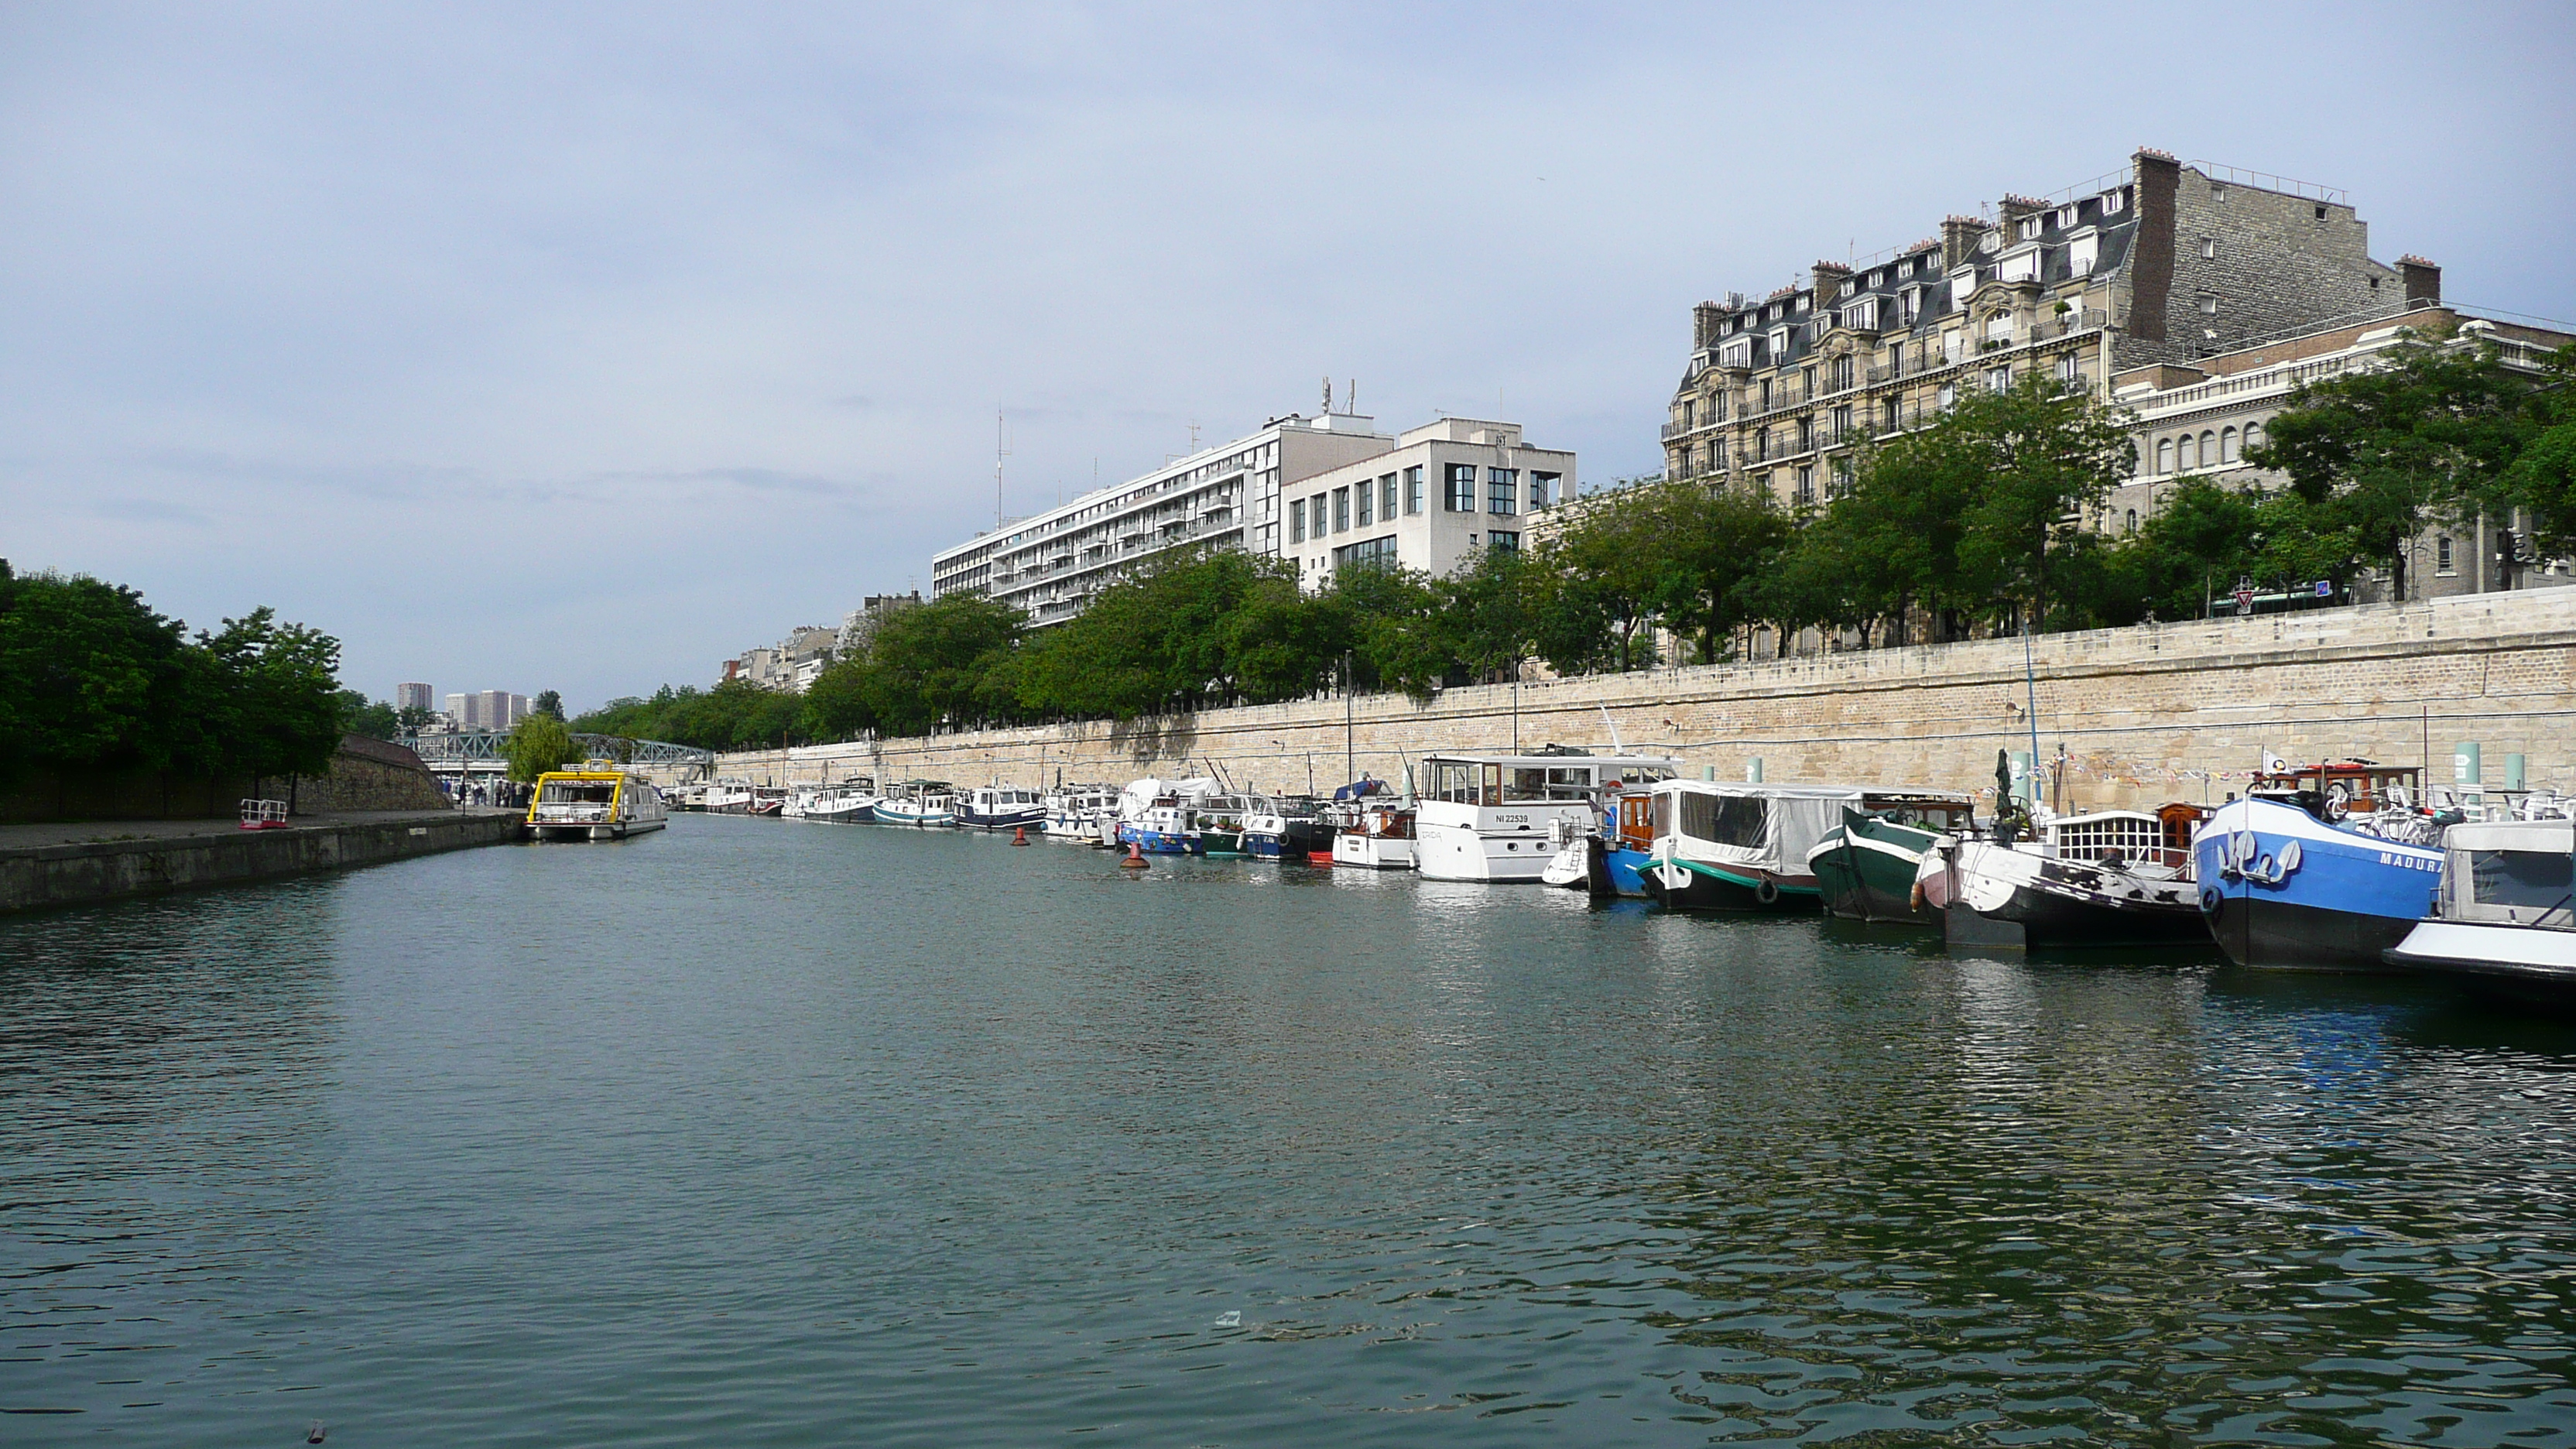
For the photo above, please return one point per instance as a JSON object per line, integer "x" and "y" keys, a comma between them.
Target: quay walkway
{"x": 82, "y": 862}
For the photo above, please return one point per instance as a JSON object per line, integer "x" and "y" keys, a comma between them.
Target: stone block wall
{"x": 2144, "y": 715}
{"x": 365, "y": 775}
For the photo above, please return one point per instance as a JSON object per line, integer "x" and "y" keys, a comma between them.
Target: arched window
{"x": 2186, "y": 454}
{"x": 2133, "y": 522}
{"x": 2209, "y": 450}
{"x": 2227, "y": 445}
{"x": 2164, "y": 455}
{"x": 2253, "y": 435}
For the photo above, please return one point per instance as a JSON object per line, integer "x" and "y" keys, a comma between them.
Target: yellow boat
{"x": 597, "y": 802}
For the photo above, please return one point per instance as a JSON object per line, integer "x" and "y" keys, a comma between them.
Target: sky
{"x": 583, "y": 347}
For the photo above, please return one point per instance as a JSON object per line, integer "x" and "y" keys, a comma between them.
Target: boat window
{"x": 1643, "y": 774}
{"x": 1738, "y": 820}
{"x": 2529, "y": 878}
{"x": 1663, "y": 823}
{"x": 1492, "y": 794}
{"x": 565, "y": 792}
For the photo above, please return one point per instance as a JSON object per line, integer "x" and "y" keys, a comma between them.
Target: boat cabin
{"x": 2511, "y": 873}
{"x": 1494, "y": 780}
{"x": 2341, "y": 786}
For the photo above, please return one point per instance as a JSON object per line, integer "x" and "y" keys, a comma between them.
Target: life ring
{"x": 2210, "y": 897}
{"x": 1766, "y": 891}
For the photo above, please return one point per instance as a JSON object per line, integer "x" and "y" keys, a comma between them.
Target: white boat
{"x": 851, "y": 802}
{"x": 800, "y": 799}
{"x": 1000, "y": 807}
{"x": 2109, "y": 878}
{"x": 1074, "y": 812}
{"x": 597, "y": 802}
{"x": 2502, "y": 917}
{"x": 1488, "y": 817}
{"x": 687, "y": 797}
{"x": 728, "y": 796}
{"x": 1380, "y": 836}
{"x": 918, "y": 803}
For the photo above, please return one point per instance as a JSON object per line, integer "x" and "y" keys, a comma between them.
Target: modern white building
{"x": 1050, "y": 564}
{"x": 412, "y": 696}
{"x": 1321, "y": 491}
{"x": 490, "y": 709}
{"x": 1446, "y": 491}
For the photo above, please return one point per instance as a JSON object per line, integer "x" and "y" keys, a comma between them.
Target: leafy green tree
{"x": 1489, "y": 610}
{"x": 548, "y": 703}
{"x": 928, "y": 659}
{"x": 1281, "y": 643}
{"x": 375, "y": 719}
{"x": 1602, "y": 569}
{"x": 1718, "y": 546}
{"x": 92, "y": 678}
{"x": 1392, "y": 618}
{"x": 2044, "y": 455}
{"x": 2387, "y": 452}
{"x": 2542, "y": 477}
{"x": 277, "y": 709}
{"x": 836, "y": 703}
{"x": 540, "y": 743}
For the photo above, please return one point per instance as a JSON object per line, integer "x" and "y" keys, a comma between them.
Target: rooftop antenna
{"x": 999, "y": 453}
{"x": 1351, "y": 395}
{"x": 1328, "y": 395}
{"x": 1194, "y": 438}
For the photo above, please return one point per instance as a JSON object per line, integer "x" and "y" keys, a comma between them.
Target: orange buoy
{"x": 1020, "y": 835}
{"x": 1135, "y": 858}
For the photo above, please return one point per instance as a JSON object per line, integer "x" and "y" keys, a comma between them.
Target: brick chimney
{"x": 2013, "y": 209}
{"x": 1829, "y": 277}
{"x": 2151, "y": 256}
{"x": 1959, "y": 238}
{"x": 2423, "y": 278}
{"x": 1704, "y": 320}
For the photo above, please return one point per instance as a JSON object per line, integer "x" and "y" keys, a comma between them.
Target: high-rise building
{"x": 490, "y": 709}
{"x": 411, "y": 696}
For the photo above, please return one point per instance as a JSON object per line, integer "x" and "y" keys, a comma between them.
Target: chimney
{"x": 2013, "y": 209}
{"x": 1829, "y": 278}
{"x": 2151, "y": 255}
{"x": 1704, "y": 320}
{"x": 2423, "y": 278}
{"x": 1959, "y": 238}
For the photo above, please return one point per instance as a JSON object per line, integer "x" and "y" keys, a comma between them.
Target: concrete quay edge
{"x": 89, "y": 872}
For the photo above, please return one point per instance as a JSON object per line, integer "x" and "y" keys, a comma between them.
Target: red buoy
{"x": 1020, "y": 835}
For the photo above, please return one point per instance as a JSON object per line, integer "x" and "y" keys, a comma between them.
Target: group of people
{"x": 500, "y": 794}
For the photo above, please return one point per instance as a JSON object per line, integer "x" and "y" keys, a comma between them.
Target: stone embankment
{"x": 2142, "y": 715}
{"x": 62, "y": 865}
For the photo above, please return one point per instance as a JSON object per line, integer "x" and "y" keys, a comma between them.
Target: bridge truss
{"x": 488, "y": 751}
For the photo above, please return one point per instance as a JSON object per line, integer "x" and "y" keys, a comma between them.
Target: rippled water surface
{"x": 763, "y": 1133}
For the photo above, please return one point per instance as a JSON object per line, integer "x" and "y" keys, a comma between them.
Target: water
{"x": 762, "y": 1133}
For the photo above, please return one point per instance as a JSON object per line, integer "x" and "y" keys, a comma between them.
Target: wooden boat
{"x": 1865, "y": 866}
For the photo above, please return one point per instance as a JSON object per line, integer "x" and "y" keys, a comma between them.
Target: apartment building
{"x": 1446, "y": 491}
{"x": 413, "y": 696}
{"x": 2160, "y": 263}
{"x": 1050, "y": 564}
{"x": 2199, "y": 419}
{"x": 490, "y": 709}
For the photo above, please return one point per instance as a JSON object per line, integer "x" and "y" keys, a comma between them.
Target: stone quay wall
{"x": 85, "y": 872}
{"x": 2143, "y": 715}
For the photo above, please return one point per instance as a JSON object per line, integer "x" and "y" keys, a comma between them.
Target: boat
{"x": 918, "y": 803}
{"x": 1380, "y": 836}
{"x": 1000, "y": 807}
{"x": 687, "y": 797}
{"x": 2319, "y": 868}
{"x": 1074, "y": 812}
{"x": 728, "y": 796}
{"x": 1865, "y": 866}
{"x": 1603, "y": 862}
{"x": 1286, "y": 827}
{"x": 851, "y": 802}
{"x": 1724, "y": 846}
{"x": 2501, "y": 919}
{"x": 1160, "y": 817}
{"x": 800, "y": 798}
{"x": 768, "y": 800}
{"x": 1488, "y": 817}
{"x": 597, "y": 802}
{"x": 2107, "y": 878}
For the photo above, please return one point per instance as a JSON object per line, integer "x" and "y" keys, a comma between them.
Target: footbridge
{"x": 472, "y": 753}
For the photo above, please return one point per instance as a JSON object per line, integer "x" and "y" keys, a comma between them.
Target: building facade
{"x": 2162, "y": 262}
{"x": 490, "y": 709}
{"x": 413, "y": 696}
{"x": 1443, "y": 493}
{"x": 2198, "y": 420}
{"x": 1050, "y": 564}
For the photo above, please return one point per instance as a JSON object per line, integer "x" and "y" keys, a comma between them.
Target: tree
{"x": 1391, "y": 618}
{"x": 1602, "y": 568}
{"x": 540, "y": 743}
{"x": 1717, "y": 545}
{"x": 1489, "y": 612}
{"x": 928, "y": 659}
{"x": 2043, "y": 456}
{"x": 548, "y": 703}
{"x": 836, "y": 703}
{"x": 91, "y": 678}
{"x": 2542, "y": 478}
{"x": 2384, "y": 453}
{"x": 376, "y": 720}
{"x": 278, "y": 708}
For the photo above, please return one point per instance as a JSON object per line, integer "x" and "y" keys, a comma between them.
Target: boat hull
{"x": 1992, "y": 895}
{"x": 1159, "y": 842}
{"x": 2345, "y": 902}
{"x": 1018, "y": 818}
{"x": 1457, "y": 852}
{"x": 2530, "y": 963}
{"x": 1372, "y": 852}
{"x": 1688, "y": 885}
{"x": 1865, "y": 872}
{"x": 600, "y": 830}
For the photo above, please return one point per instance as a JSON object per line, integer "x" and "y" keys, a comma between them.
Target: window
{"x": 1843, "y": 424}
{"x": 2227, "y": 445}
{"x": 1502, "y": 490}
{"x": 2253, "y": 435}
{"x": 1948, "y": 397}
{"x": 2442, "y": 554}
{"x": 2082, "y": 254}
{"x": 1807, "y": 380}
{"x": 2321, "y": 212}
{"x": 1806, "y": 484}
{"x": 2209, "y": 450}
{"x": 1413, "y": 490}
{"x": 2067, "y": 216}
{"x": 2186, "y": 453}
{"x": 1459, "y": 494}
{"x": 1716, "y": 460}
{"x": 1806, "y": 433}
{"x": 1297, "y": 520}
{"x": 1888, "y": 414}
{"x": 1372, "y": 553}
{"x": 2164, "y": 455}
{"x": 2021, "y": 266}
{"x": 1998, "y": 379}
{"x": 2209, "y": 248}
{"x": 1363, "y": 510}
{"x": 2132, "y": 525}
{"x": 1909, "y": 304}
{"x": 1766, "y": 394}
{"x": 1501, "y": 542}
{"x": 1690, "y": 414}
{"x": 2209, "y": 304}
{"x": 1315, "y": 514}
{"x": 2029, "y": 227}
{"x": 1341, "y": 510}
{"x": 1842, "y": 486}
{"x": 1738, "y": 353}
{"x": 2113, "y": 201}
{"x": 2066, "y": 368}
{"x": 1543, "y": 486}
{"x": 1386, "y": 497}
{"x": 1999, "y": 330}
{"x": 1843, "y": 370}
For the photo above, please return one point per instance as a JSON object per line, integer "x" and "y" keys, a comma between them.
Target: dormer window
{"x": 2114, "y": 201}
{"x": 2021, "y": 266}
{"x": 1779, "y": 343}
{"x": 1738, "y": 353}
{"x": 2029, "y": 227}
{"x": 2066, "y": 217}
{"x": 1803, "y": 300}
{"x": 2082, "y": 253}
{"x": 1909, "y": 304}
{"x": 1962, "y": 285}
{"x": 1990, "y": 241}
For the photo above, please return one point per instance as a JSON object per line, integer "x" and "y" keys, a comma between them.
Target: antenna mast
{"x": 999, "y": 453}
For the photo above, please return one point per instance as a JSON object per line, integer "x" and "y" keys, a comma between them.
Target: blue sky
{"x": 573, "y": 347}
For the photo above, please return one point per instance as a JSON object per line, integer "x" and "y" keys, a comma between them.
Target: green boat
{"x": 1865, "y": 870}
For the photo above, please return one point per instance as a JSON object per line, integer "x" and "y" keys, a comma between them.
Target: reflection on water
{"x": 763, "y": 1133}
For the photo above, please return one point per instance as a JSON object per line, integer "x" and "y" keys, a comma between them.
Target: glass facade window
{"x": 1501, "y": 542}
{"x": 1386, "y": 496}
{"x": 1502, "y": 490}
{"x": 1297, "y": 520}
{"x": 1413, "y": 490}
{"x": 1543, "y": 486}
{"x": 1369, "y": 553}
{"x": 1341, "y": 510}
{"x": 1366, "y": 503}
{"x": 1459, "y": 496}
